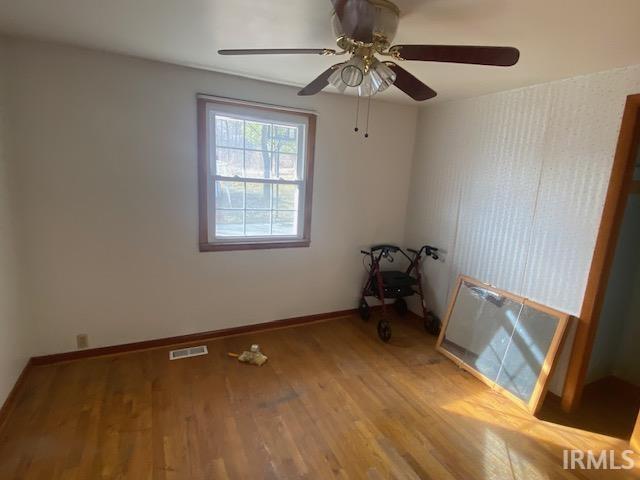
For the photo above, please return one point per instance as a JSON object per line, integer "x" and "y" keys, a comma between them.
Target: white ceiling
{"x": 557, "y": 38}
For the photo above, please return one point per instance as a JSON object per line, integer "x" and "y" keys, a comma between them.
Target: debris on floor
{"x": 254, "y": 356}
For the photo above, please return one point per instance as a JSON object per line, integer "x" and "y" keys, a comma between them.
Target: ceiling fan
{"x": 364, "y": 30}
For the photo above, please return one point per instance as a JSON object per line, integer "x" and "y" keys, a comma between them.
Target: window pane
{"x": 229, "y": 162}
{"x": 285, "y": 139}
{"x": 259, "y": 196}
{"x": 285, "y": 197}
{"x": 258, "y": 223}
{"x": 229, "y": 195}
{"x": 263, "y": 156}
{"x": 258, "y": 136}
{"x": 229, "y": 132}
{"x": 257, "y": 164}
{"x": 229, "y": 223}
{"x": 284, "y": 223}
{"x": 287, "y": 165}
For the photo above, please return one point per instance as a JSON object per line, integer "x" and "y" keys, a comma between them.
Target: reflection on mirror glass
{"x": 526, "y": 352}
{"x": 480, "y": 327}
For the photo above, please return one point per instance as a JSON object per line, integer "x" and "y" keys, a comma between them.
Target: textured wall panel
{"x": 512, "y": 185}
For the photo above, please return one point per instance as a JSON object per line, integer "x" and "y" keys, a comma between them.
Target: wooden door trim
{"x": 620, "y": 183}
{"x": 635, "y": 436}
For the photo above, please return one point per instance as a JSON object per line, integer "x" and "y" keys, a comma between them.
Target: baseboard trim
{"x": 10, "y": 401}
{"x": 181, "y": 339}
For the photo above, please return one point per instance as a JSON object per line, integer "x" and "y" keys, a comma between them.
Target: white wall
{"x": 512, "y": 186}
{"x": 14, "y": 349}
{"x": 615, "y": 351}
{"x": 107, "y": 149}
{"x": 627, "y": 366}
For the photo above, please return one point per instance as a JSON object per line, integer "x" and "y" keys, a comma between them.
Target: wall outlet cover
{"x": 82, "y": 340}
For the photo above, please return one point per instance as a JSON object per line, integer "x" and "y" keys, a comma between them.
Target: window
{"x": 255, "y": 175}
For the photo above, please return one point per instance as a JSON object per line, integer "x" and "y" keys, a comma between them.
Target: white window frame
{"x": 208, "y": 108}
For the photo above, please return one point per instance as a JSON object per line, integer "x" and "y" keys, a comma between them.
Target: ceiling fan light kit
{"x": 364, "y": 30}
{"x": 369, "y": 77}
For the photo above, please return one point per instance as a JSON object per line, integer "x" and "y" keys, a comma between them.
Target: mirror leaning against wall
{"x": 507, "y": 341}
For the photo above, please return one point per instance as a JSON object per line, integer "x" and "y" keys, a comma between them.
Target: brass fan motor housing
{"x": 387, "y": 16}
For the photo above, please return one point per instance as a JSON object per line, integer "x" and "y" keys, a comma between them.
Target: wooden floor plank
{"x": 331, "y": 402}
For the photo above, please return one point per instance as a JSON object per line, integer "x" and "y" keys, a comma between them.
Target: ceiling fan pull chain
{"x": 366, "y": 132}
{"x": 357, "y": 112}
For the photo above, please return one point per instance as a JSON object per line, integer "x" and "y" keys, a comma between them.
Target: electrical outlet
{"x": 82, "y": 340}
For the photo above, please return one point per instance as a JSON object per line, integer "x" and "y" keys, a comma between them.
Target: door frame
{"x": 620, "y": 185}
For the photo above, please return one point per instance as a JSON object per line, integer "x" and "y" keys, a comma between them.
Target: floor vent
{"x": 188, "y": 352}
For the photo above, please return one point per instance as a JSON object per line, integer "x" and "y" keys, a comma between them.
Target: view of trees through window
{"x": 258, "y": 177}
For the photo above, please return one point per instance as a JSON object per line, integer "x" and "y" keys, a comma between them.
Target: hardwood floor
{"x": 609, "y": 406}
{"x": 331, "y": 402}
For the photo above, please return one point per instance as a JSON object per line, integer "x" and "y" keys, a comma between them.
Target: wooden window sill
{"x": 225, "y": 247}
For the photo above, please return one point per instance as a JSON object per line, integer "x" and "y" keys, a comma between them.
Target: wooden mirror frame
{"x": 540, "y": 389}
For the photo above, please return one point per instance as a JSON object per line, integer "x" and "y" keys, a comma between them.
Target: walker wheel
{"x": 364, "y": 310}
{"x": 400, "y": 306}
{"x": 384, "y": 330}
{"x": 432, "y": 324}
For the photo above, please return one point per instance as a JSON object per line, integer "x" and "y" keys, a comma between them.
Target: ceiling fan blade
{"x": 357, "y": 18}
{"x": 320, "y": 82}
{"x": 410, "y": 84}
{"x": 497, "y": 56}
{"x": 278, "y": 51}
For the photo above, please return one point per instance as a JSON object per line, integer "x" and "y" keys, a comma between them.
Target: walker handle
{"x": 431, "y": 251}
{"x": 385, "y": 247}
{"x": 428, "y": 250}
